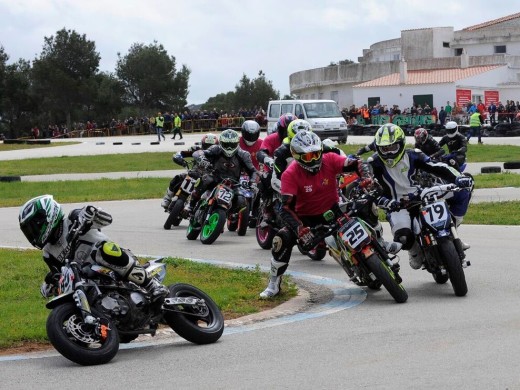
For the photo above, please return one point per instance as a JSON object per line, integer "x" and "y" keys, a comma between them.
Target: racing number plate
{"x": 187, "y": 185}
{"x": 354, "y": 235}
{"x": 436, "y": 214}
{"x": 224, "y": 195}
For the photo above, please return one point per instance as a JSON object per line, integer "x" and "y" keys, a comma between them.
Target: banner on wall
{"x": 491, "y": 97}
{"x": 463, "y": 96}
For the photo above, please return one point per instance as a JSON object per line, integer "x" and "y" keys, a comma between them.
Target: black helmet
{"x": 250, "y": 132}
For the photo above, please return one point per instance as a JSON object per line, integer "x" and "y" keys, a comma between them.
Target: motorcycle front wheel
{"x": 202, "y": 325}
{"x": 243, "y": 220}
{"x": 213, "y": 226}
{"x": 451, "y": 261}
{"x": 386, "y": 276}
{"x": 174, "y": 218}
{"x": 79, "y": 342}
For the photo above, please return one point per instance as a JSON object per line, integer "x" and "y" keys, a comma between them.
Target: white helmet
{"x": 451, "y": 129}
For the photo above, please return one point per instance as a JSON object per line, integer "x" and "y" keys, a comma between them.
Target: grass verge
{"x": 23, "y": 309}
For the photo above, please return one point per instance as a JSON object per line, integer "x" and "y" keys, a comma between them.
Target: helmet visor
{"x": 389, "y": 149}
{"x": 310, "y": 156}
{"x": 34, "y": 228}
{"x": 229, "y": 146}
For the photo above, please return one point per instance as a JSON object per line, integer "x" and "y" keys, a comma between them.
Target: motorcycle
{"x": 210, "y": 213}
{"x": 268, "y": 216}
{"x": 234, "y": 219}
{"x": 175, "y": 209}
{"x": 437, "y": 236}
{"x": 354, "y": 244}
{"x": 96, "y": 310}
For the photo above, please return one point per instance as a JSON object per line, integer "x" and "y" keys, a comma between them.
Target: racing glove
{"x": 463, "y": 181}
{"x": 388, "y": 204}
{"x": 305, "y": 235}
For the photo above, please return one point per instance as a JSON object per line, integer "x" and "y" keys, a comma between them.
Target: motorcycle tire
{"x": 243, "y": 221}
{"x": 79, "y": 344}
{"x": 232, "y": 224}
{"x": 384, "y": 274}
{"x": 440, "y": 278}
{"x": 192, "y": 232}
{"x": 451, "y": 261}
{"x": 264, "y": 236}
{"x": 317, "y": 254}
{"x": 213, "y": 226}
{"x": 174, "y": 218}
{"x": 189, "y": 324}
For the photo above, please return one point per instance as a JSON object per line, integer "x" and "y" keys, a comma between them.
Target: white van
{"x": 323, "y": 115}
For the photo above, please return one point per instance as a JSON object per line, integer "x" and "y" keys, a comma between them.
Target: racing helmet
{"x": 297, "y": 126}
{"x": 306, "y": 149}
{"x": 228, "y": 141}
{"x": 420, "y": 135}
{"x": 283, "y": 124}
{"x": 390, "y": 144}
{"x": 451, "y": 128}
{"x": 208, "y": 140}
{"x": 40, "y": 218}
{"x": 250, "y": 132}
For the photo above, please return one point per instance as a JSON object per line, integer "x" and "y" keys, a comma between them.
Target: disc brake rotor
{"x": 81, "y": 331}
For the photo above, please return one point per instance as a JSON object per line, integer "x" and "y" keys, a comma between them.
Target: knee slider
{"x": 405, "y": 237}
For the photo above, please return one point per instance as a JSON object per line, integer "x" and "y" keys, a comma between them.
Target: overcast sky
{"x": 220, "y": 40}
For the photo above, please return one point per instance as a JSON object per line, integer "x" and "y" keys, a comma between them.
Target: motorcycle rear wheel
{"x": 213, "y": 226}
{"x": 386, "y": 276}
{"x": 451, "y": 261}
{"x": 243, "y": 221}
{"x": 174, "y": 218}
{"x": 199, "y": 330}
{"x": 76, "y": 340}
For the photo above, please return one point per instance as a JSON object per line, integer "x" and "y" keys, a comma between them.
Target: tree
{"x": 19, "y": 105}
{"x": 64, "y": 74}
{"x": 3, "y": 60}
{"x": 254, "y": 93}
{"x": 109, "y": 99}
{"x": 150, "y": 79}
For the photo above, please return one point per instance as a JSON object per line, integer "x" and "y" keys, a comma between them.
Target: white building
{"x": 433, "y": 65}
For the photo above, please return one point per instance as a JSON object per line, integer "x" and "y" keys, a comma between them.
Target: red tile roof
{"x": 492, "y": 22}
{"x": 428, "y": 76}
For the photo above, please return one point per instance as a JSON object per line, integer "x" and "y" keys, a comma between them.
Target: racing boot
{"x": 391, "y": 247}
{"x": 167, "y": 199}
{"x": 157, "y": 290}
{"x": 275, "y": 280}
{"x": 416, "y": 256}
{"x": 458, "y": 221}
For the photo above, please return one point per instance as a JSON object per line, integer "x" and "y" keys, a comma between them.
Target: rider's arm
{"x": 280, "y": 159}
{"x": 288, "y": 214}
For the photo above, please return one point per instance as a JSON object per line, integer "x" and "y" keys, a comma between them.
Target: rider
{"x": 394, "y": 167}
{"x": 426, "y": 143}
{"x": 283, "y": 156}
{"x": 198, "y": 169}
{"x": 228, "y": 161}
{"x": 309, "y": 188}
{"x": 44, "y": 224}
{"x": 457, "y": 146}
{"x": 251, "y": 142}
{"x": 274, "y": 140}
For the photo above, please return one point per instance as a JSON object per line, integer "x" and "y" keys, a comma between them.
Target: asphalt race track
{"x": 348, "y": 338}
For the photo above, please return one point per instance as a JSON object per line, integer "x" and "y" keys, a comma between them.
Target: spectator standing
{"x": 35, "y": 132}
{"x": 159, "y": 126}
{"x": 442, "y": 116}
{"x": 168, "y": 122}
{"x": 492, "y": 109}
{"x": 448, "y": 110}
{"x": 177, "y": 122}
{"x": 475, "y": 123}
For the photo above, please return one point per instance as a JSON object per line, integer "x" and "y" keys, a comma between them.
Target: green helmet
{"x": 295, "y": 126}
{"x": 228, "y": 141}
{"x": 390, "y": 144}
{"x": 39, "y": 218}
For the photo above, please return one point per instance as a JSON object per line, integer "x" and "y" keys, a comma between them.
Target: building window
{"x": 458, "y": 52}
{"x": 445, "y": 44}
{"x": 397, "y": 57}
{"x": 320, "y": 95}
{"x": 500, "y": 49}
{"x": 334, "y": 96}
